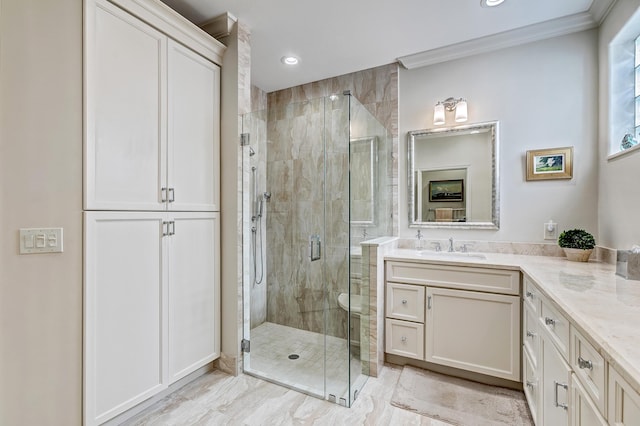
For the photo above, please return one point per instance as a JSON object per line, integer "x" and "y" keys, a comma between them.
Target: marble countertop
{"x": 604, "y": 306}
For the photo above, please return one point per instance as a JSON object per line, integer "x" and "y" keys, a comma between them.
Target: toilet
{"x": 356, "y": 310}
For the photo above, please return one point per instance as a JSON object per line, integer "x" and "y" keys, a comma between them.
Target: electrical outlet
{"x": 550, "y": 230}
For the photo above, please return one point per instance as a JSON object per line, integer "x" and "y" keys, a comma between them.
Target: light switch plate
{"x": 40, "y": 240}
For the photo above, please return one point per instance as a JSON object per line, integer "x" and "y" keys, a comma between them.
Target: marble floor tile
{"x": 219, "y": 399}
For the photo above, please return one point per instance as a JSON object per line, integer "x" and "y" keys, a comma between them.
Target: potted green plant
{"x": 577, "y": 244}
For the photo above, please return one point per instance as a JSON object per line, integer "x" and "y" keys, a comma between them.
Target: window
{"x": 637, "y": 88}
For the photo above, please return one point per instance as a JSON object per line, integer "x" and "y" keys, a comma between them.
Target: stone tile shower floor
{"x": 272, "y": 344}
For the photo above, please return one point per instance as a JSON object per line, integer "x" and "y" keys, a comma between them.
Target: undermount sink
{"x": 450, "y": 255}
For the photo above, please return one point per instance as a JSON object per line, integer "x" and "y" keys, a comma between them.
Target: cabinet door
{"x": 474, "y": 331}
{"x": 624, "y": 401}
{"x": 125, "y": 67}
{"x": 124, "y": 312}
{"x": 556, "y": 386}
{"x": 194, "y": 131}
{"x": 194, "y": 292}
{"x": 532, "y": 384}
{"x": 585, "y": 412}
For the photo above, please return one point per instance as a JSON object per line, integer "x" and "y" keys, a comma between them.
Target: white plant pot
{"x": 577, "y": 255}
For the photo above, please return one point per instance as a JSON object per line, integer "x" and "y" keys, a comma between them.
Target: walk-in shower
{"x": 314, "y": 186}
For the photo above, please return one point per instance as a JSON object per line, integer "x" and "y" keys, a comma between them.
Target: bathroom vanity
{"x": 457, "y": 316}
{"x": 565, "y": 331}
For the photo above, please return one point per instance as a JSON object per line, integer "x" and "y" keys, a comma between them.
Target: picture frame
{"x": 446, "y": 190}
{"x": 548, "y": 164}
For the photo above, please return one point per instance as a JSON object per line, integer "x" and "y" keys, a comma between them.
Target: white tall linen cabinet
{"x": 151, "y": 203}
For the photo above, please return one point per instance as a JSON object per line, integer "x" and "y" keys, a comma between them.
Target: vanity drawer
{"x": 458, "y": 277}
{"x": 405, "y": 302}
{"x": 556, "y": 326}
{"x": 531, "y": 335}
{"x": 404, "y": 338}
{"x": 531, "y": 295}
{"x": 589, "y": 367}
{"x": 531, "y": 386}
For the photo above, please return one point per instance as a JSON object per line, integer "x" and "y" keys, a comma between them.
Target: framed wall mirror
{"x": 453, "y": 177}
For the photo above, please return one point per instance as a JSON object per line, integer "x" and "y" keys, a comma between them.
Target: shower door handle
{"x": 315, "y": 247}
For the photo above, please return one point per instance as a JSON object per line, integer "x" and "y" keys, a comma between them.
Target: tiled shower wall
{"x": 297, "y": 120}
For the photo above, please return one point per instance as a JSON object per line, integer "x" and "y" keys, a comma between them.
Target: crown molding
{"x": 535, "y": 32}
{"x": 600, "y": 9}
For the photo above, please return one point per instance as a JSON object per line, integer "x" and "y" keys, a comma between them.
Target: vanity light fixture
{"x": 289, "y": 60}
{"x": 490, "y": 3}
{"x": 450, "y": 104}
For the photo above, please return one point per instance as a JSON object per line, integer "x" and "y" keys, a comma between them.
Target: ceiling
{"x": 335, "y": 37}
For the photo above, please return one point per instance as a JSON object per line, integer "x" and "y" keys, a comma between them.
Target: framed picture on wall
{"x": 446, "y": 190}
{"x": 545, "y": 164}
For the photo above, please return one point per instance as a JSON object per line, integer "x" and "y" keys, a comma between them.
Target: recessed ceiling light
{"x": 289, "y": 60}
{"x": 490, "y": 3}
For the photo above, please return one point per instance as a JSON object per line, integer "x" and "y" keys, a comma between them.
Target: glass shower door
{"x": 300, "y": 304}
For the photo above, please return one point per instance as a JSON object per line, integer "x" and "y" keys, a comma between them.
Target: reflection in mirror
{"x": 364, "y": 160}
{"x": 453, "y": 177}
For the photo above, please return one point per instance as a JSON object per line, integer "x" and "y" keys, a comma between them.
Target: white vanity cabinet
{"x": 471, "y": 316}
{"x": 151, "y": 117}
{"x": 565, "y": 374}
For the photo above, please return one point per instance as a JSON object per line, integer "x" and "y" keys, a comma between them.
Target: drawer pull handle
{"x": 550, "y": 321}
{"x": 531, "y": 334}
{"x": 585, "y": 363}
{"x": 404, "y": 339}
{"x": 404, "y": 302}
{"x": 529, "y": 295}
{"x": 555, "y": 394}
{"x": 429, "y": 302}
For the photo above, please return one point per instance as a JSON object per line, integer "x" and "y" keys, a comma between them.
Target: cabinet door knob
{"x": 531, "y": 334}
{"x": 530, "y": 384}
{"x": 585, "y": 363}
{"x": 529, "y": 295}
{"x": 404, "y": 302}
{"x": 549, "y": 321}
{"x": 404, "y": 339}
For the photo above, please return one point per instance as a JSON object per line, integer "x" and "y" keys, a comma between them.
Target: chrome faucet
{"x": 451, "y": 250}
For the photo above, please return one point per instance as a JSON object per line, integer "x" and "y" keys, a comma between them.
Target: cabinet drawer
{"x": 532, "y": 384}
{"x": 531, "y": 295}
{"x": 556, "y": 326}
{"x": 589, "y": 367}
{"x": 531, "y": 335}
{"x": 466, "y": 278}
{"x": 404, "y": 338}
{"x": 405, "y": 302}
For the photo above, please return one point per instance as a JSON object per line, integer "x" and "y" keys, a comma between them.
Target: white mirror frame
{"x": 492, "y": 127}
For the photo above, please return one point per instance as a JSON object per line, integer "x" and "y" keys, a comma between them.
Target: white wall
{"x": 41, "y": 184}
{"x": 619, "y": 200}
{"x": 545, "y": 95}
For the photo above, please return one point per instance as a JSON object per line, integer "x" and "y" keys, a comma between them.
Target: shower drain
{"x": 294, "y": 356}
